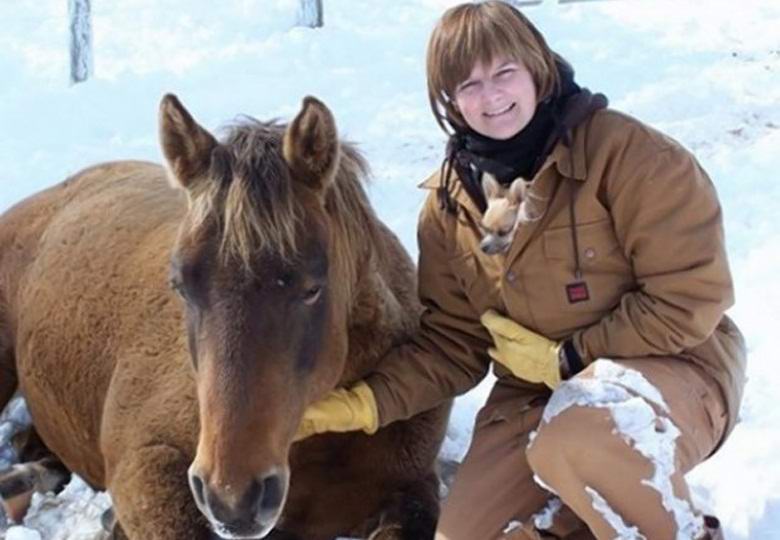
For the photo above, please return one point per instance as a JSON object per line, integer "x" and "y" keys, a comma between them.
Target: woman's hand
{"x": 343, "y": 409}
{"x": 526, "y": 354}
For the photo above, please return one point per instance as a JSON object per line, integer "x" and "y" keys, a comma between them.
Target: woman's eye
{"x": 467, "y": 88}
{"x": 505, "y": 74}
{"x": 312, "y": 295}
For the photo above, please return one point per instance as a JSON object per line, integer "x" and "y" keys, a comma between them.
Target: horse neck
{"x": 378, "y": 305}
{"x": 379, "y": 314}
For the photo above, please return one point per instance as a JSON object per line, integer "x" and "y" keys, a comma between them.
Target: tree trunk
{"x": 80, "y": 40}
{"x": 310, "y": 13}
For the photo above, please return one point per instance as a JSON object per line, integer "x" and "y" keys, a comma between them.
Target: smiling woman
{"x": 623, "y": 258}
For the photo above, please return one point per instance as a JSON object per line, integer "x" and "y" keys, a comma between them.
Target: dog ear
{"x": 490, "y": 186}
{"x": 311, "y": 145}
{"x": 187, "y": 147}
{"x": 518, "y": 190}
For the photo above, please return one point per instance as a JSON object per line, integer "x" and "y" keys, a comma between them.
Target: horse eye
{"x": 312, "y": 295}
{"x": 284, "y": 280}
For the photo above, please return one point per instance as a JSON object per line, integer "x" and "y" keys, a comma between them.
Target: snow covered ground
{"x": 706, "y": 73}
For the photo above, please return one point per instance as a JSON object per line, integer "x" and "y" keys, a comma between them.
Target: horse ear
{"x": 490, "y": 186}
{"x": 187, "y": 146}
{"x": 311, "y": 145}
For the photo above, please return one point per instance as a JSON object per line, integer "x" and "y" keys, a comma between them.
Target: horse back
{"x": 83, "y": 267}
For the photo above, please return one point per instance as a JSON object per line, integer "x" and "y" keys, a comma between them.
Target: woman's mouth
{"x": 499, "y": 112}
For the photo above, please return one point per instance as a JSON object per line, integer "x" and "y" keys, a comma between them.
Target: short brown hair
{"x": 479, "y": 32}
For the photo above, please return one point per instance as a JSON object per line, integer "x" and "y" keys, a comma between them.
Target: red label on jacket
{"x": 577, "y": 292}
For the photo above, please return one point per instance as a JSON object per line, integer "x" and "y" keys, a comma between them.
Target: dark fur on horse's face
{"x": 265, "y": 326}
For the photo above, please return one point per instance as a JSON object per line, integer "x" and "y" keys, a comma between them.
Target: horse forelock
{"x": 250, "y": 196}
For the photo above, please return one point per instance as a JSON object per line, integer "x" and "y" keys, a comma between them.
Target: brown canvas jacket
{"x": 649, "y": 238}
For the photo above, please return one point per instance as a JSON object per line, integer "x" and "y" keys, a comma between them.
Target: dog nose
{"x": 490, "y": 246}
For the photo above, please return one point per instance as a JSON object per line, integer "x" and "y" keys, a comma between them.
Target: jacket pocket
{"x": 606, "y": 272}
{"x": 464, "y": 268}
{"x": 476, "y": 281}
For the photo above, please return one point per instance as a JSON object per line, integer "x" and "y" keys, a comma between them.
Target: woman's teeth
{"x": 501, "y": 111}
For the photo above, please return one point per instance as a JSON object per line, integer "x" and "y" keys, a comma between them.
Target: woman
{"x": 613, "y": 299}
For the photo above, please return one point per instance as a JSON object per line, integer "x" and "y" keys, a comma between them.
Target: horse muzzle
{"x": 249, "y": 514}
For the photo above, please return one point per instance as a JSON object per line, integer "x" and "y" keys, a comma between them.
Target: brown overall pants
{"x": 578, "y": 453}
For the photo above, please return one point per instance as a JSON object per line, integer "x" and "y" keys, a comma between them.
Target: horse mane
{"x": 250, "y": 195}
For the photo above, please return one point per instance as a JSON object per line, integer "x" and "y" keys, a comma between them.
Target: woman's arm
{"x": 667, "y": 218}
{"x": 448, "y": 356}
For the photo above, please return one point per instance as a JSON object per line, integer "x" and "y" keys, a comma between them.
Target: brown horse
{"x": 288, "y": 286}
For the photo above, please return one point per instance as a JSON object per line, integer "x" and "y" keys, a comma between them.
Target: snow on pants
{"x": 603, "y": 457}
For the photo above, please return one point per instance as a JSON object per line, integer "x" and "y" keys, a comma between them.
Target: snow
{"x": 544, "y": 519}
{"x": 624, "y": 532}
{"x": 512, "y": 526}
{"x": 14, "y": 419}
{"x": 74, "y": 514}
{"x": 706, "y": 73}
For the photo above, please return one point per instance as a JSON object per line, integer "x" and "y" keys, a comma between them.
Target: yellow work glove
{"x": 526, "y": 354}
{"x": 343, "y": 409}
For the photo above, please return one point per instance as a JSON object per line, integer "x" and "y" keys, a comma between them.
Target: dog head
{"x": 503, "y": 214}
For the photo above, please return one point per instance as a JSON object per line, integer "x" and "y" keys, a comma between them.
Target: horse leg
{"x": 37, "y": 470}
{"x": 151, "y": 496}
{"x": 117, "y": 533}
{"x": 410, "y": 513}
{"x": 8, "y": 379}
{"x": 20, "y": 482}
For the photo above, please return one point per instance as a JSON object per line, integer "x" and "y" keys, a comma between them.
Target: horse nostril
{"x": 196, "y": 485}
{"x": 272, "y": 492}
{"x": 266, "y": 495}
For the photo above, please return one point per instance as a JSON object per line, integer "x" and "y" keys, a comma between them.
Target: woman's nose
{"x": 491, "y": 92}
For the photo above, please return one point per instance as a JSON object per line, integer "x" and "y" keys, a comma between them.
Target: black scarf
{"x": 471, "y": 153}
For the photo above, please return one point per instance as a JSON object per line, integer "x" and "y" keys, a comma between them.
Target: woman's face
{"x": 497, "y": 100}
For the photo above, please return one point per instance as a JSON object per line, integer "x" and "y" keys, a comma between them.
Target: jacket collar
{"x": 569, "y": 159}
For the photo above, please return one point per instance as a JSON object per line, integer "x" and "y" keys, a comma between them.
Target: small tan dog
{"x": 507, "y": 208}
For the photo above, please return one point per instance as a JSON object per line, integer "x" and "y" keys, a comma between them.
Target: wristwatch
{"x": 563, "y": 363}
